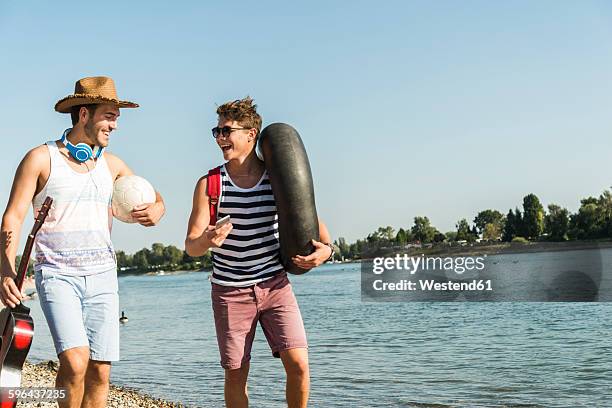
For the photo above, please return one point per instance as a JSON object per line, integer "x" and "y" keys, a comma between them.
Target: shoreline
{"x": 474, "y": 249}
{"x": 501, "y": 248}
{"x": 160, "y": 272}
{"x": 43, "y": 375}
{"x": 494, "y": 249}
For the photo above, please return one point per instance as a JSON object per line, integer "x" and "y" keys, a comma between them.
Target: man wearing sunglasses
{"x": 249, "y": 283}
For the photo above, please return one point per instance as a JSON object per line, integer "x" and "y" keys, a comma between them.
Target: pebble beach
{"x": 43, "y": 375}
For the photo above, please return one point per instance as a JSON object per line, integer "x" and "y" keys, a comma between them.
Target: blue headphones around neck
{"x": 82, "y": 151}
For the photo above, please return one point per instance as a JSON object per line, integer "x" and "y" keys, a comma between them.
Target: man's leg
{"x": 282, "y": 324}
{"x": 71, "y": 375}
{"x": 97, "y": 382}
{"x": 235, "y": 312}
{"x": 101, "y": 317}
{"x": 236, "y": 394}
{"x": 60, "y": 300}
{"x": 298, "y": 376}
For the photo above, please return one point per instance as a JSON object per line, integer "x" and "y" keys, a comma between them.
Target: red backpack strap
{"x": 214, "y": 192}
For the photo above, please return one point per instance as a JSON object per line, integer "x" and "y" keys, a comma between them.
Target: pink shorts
{"x": 237, "y": 311}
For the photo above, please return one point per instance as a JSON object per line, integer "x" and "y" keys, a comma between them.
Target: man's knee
{"x": 298, "y": 368}
{"x": 74, "y": 362}
{"x": 98, "y": 372}
{"x": 237, "y": 376}
{"x": 296, "y": 363}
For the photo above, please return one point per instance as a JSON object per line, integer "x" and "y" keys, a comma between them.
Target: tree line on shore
{"x": 161, "y": 257}
{"x": 158, "y": 257}
{"x": 533, "y": 223}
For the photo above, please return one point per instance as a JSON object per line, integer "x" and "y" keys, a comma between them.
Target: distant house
{"x": 413, "y": 245}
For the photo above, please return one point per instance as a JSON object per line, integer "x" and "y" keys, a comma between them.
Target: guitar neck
{"x": 25, "y": 261}
{"x": 25, "y": 257}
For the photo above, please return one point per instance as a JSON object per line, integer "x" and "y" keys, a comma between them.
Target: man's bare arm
{"x": 22, "y": 193}
{"x": 200, "y": 236}
{"x": 117, "y": 167}
{"x": 322, "y": 250}
{"x": 324, "y": 233}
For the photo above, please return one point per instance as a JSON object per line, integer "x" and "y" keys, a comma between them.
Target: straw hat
{"x": 92, "y": 90}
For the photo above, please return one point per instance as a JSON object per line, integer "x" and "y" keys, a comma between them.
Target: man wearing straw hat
{"x": 76, "y": 273}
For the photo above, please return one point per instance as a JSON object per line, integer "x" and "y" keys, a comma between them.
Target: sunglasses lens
{"x": 226, "y": 131}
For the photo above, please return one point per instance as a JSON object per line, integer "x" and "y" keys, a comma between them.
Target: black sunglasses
{"x": 225, "y": 131}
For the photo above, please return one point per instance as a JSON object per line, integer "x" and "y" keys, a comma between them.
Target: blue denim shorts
{"x": 81, "y": 311}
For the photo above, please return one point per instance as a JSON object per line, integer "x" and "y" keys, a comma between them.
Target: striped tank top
{"x": 251, "y": 252}
{"x": 75, "y": 238}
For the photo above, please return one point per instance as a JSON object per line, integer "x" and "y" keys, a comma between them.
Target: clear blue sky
{"x": 406, "y": 108}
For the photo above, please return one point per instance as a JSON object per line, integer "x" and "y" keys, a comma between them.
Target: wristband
{"x": 331, "y": 256}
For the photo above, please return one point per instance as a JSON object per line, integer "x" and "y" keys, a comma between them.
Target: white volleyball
{"x": 129, "y": 192}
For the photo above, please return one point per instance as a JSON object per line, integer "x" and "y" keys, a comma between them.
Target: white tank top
{"x": 75, "y": 238}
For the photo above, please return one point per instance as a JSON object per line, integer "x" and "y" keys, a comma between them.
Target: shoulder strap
{"x": 213, "y": 189}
